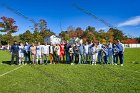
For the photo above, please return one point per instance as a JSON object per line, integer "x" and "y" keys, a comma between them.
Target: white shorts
{"x": 21, "y": 55}
{"x": 38, "y": 56}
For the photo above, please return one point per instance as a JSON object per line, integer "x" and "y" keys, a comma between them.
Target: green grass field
{"x": 62, "y": 78}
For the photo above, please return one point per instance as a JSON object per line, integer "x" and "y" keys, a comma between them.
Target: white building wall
{"x": 53, "y": 39}
{"x": 132, "y": 45}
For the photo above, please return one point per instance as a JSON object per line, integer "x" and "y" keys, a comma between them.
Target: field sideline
{"x": 63, "y": 78}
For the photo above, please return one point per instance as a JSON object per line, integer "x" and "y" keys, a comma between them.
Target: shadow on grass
{"x": 7, "y": 62}
{"x": 135, "y": 62}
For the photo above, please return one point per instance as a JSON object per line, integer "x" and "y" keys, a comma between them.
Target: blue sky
{"x": 124, "y": 14}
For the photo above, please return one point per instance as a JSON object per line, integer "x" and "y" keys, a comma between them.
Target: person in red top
{"x": 62, "y": 50}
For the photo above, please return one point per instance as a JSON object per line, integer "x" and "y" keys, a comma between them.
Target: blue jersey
{"x": 120, "y": 47}
{"x": 27, "y": 47}
{"x": 110, "y": 51}
{"x": 81, "y": 49}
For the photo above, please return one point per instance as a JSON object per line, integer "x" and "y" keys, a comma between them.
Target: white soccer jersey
{"x": 38, "y": 49}
{"x": 45, "y": 49}
{"x": 93, "y": 50}
{"x": 99, "y": 47}
{"x": 86, "y": 47}
{"x": 21, "y": 51}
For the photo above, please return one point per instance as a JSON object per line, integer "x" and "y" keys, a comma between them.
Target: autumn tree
{"x": 7, "y": 38}
{"x": 117, "y": 34}
{"x": 8, "y": 25}
{"x": 79, "y": 32}
{"x": 42, "y": 25}
{"x": 64, "y": 35}
{"x": 37, "y": 37}
{"x": 26, "y": 36}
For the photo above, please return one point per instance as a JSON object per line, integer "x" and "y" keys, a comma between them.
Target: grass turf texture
{"x": 63, "y": 78}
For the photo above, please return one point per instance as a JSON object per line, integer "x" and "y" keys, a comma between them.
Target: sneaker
{"x": 115, "y": 64}
{"x": 72, "y": 63}
{"x": 95, "y": 63}
{"x": 121, "y": 64}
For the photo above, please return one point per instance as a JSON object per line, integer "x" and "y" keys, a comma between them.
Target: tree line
{"x": 41, "y": 32}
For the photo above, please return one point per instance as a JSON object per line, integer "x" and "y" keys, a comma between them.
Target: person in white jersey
{"x": 94, "y": 53}
{"x": 38, "y": 53}
{"x": 45, "y": 52}
{"x": 21, "y": 54}
{"x": 86, "y": 47}
{"x": 99, "y": 50}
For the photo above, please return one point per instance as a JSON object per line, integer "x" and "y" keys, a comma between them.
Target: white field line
{"x": 10, "y": 71}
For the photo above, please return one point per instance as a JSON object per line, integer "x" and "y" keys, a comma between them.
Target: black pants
{"x": 27, "y": 57}
{"x": 121, "y": 57}
{"x": 57, "y": 58}
{"x": 105, "y": 59}
{"x": 14, "y": 55}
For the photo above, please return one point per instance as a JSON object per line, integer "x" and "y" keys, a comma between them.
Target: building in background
{"x": 75, "y": 40}
{"x": 53, "y": 39}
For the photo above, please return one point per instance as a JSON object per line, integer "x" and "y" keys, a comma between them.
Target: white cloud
{"x": 131, "y": 22}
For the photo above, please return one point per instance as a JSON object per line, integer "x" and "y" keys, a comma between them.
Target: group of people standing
{"x": 92, "y": 53}
{"x": 36, "y": 53}
{"x": 76, "y": 53}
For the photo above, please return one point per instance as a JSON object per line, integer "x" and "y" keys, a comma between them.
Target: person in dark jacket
{"x": 66, "y": 48}
{"x": 14, "y": 52}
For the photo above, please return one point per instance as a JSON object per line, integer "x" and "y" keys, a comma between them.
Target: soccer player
{"x": 27, "y": 52}
{"x": 62, "y": 51}
{"x": 45, "y": 52}
{"x": 94, "y": 53}
{"x": 99, "y": 48}
{"x": 121, "y": 51}
{"x": 33, "y": 53}
{"x": 14, "y": 52}
{"x": 86, "y": 47}
{"x": 38, "y": 53}
{"x": 21, "y": 53}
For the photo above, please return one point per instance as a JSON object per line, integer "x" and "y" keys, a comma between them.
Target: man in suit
{"x": 14, "y": 51}
{"x": 121, "y": 51}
